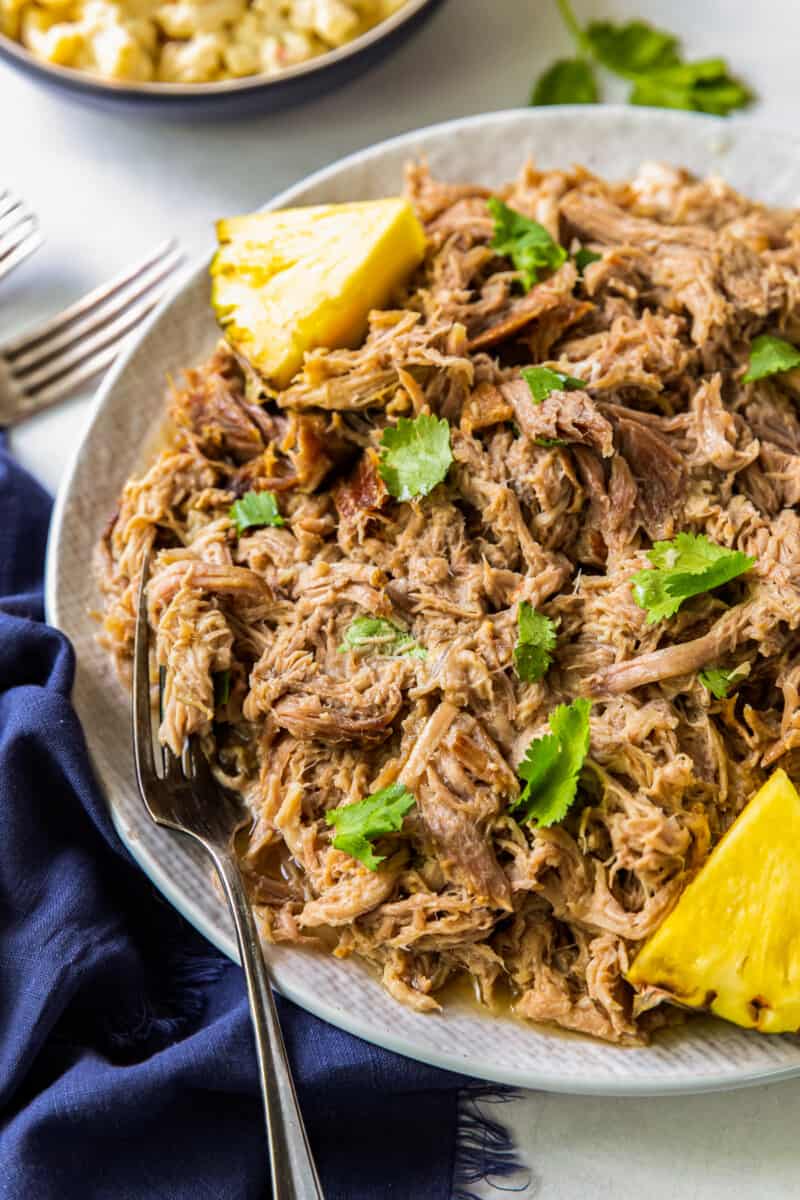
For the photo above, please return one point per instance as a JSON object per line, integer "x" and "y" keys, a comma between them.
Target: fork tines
{"x": 51, "y": 360}
{"x": 183, "y": 794}
{"x": 19, "y": 232}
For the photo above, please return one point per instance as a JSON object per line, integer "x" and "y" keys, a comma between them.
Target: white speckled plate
{"x": 703, "y": 1055}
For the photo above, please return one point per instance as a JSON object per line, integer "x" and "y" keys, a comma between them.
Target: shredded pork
{"x": 556, "y": 505}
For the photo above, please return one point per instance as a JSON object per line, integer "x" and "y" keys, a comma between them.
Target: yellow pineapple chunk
{"x": 286, "y": 282}
{"x": 732, "y": 943}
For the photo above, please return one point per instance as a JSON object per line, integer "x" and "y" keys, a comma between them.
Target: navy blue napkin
{"x": 127, "y": 1067}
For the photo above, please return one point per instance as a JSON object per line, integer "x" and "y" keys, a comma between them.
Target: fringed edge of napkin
{"x": 182, "y": 996}
{"x": 485, "y": 1149}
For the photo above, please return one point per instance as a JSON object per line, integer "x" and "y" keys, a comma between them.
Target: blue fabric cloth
{"x": 127, "y": 1067}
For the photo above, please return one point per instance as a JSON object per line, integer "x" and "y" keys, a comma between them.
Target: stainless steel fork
{"x": 186, "y": 798}
{"x": 49, "y": 361}
{"x": 19, "y": 232}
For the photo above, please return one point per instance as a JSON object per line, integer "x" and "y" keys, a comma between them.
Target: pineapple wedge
{"x": 732, "y": 943}
{"x": 286, "y": 282}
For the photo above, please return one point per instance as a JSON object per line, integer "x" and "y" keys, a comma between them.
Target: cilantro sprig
{"x": 687, "y": 566}
{"x": 536, "y": 641}
{"x": 255, "y": 509}
{"x": 719, "y": 681}
{"x": 542, "y": 381}
{"x": 357, "y": 825}
{"x": 649, "y": 58}
{"x": 376, "y": 633}
{"x": 770, "y": 355}
{"x": 527, "y": 243}
{"x": 415, "y": 455}
{"x": 552, "y": 766}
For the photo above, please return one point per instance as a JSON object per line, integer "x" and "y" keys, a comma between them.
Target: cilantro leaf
{"x": 632, "y": 49}
{"x": 376, "y": 633}
{"x": 584, "y": 257}
{"x": 357, "y": 824}
{"x": 222, "y": 688}
{"x": 651, "y": 60}
{"x": 415, "y": 455}
{"x": 692, "y": 87}
{"x": 687, "y": 552}
{"x": 568, "y": 81}
{"x": 687, "y": 566}
{"x": 719, "y": 681}
{"x": 526, "y": 242}
{"x": 542, "y": 381}
{"x": 539, "y": 763}
{"x": 771, "y": 355}
{"x": 552, "y": 765}
{"x": 255, "y": 508}
{"x": 536, "y": 640}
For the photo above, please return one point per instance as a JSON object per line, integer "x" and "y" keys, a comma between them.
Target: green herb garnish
{"x": 650, "y": 59}
{"x": 358, "y": 824}
{"x": 536, "y": 640}
{"x": 255, "y": 509}
{"x": 222, "y": 688}
{"x": 415, "y": 455}
{"x": 376, "y": 633}
{"x": 719, "y": 681}
{"x": 552, "y": 765}
{"x": 687, "y": 566}
{"x": 633, "y": 49}
{"x": 584, "y": 257}
{"x": 542, "y": 381}
{"x": 568, "y": 81}
{"x": 526, "y": 242}
{"x": 692, "y": 87}
{"x": 770, "y": 355}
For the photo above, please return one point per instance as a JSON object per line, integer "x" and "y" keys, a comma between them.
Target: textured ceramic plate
{"x": 703, "y": 1055}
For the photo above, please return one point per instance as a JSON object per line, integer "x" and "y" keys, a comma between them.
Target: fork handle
{"x": 293, "y": 1174}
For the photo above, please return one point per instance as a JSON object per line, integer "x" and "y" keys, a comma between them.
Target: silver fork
{"x": 49, "y": 361}
{"x": 19, "y": 232}
{"x": 185, "y": 797}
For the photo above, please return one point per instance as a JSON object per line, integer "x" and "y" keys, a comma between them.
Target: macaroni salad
{"x": 187, "y": 41}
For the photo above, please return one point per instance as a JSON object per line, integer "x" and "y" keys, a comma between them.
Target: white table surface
{"x": 108, "y": 185}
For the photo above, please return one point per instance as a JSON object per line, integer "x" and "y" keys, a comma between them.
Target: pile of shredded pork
{"x": 666, "y": 436}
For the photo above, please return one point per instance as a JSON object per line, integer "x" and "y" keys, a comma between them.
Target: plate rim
{"x": 643, "y": 1085}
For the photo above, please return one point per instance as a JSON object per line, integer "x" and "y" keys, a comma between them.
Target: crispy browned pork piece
{"x": 554, "y": 504}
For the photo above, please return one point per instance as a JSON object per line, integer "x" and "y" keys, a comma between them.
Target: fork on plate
{"x": 19, "y": 232}
{"x": 185, "y": 797}
{"x": 47, "y": 362}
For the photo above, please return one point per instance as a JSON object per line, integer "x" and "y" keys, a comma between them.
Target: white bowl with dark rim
{"x": 232, "y": 97}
